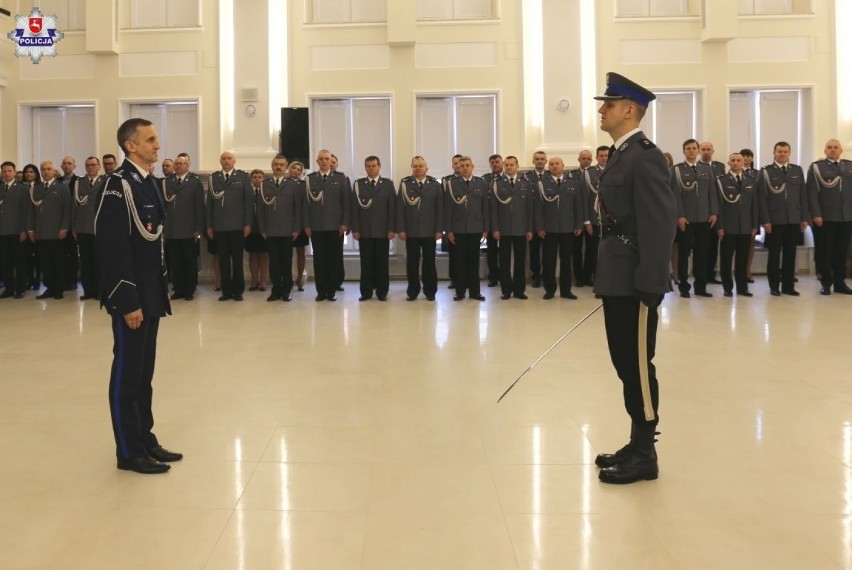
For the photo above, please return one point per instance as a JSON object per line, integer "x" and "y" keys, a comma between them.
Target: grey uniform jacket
{"x": 512, "y": 206}
{"x": 717, "y": 168}
{"x": 560, "y": 208}
{"x": 373, "y": 208}
{"x": 635, "y": 197}
{"x": 830, "y": 192}
{"x": 420, "y": 211}
{"x": 467, "y": 206}
{"x": 695, "y": 192}
{"x": 185, "y": 215}
{"x": 84, "y": 206}
{"x": 54, "y": 211}
{"x": 230, "y": 205}
{"x": 328, "y": 201}
{"x": 737, "y": 204}
{"x": 14, "y": 207}
{"x": 591, "y": 178}
{"x": 280, "y": 210}
{"x": 783, "y": 199}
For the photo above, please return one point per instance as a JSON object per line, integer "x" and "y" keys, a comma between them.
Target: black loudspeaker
{"x": 295, "y": 138}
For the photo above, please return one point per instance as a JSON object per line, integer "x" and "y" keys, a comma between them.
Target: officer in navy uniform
{"x": 446, "y": 244}
{"x": 50, "y": 220}
{"x": 492, "y": 246}
{"x": 374, "y": 225}
{"x": 533, "y": 176}
{"x": 134, "y": 291}
{"x": 420, "y": 224}
{"x": 559, "y": 217}
{"x": 783, "y": 202}
{"x": 230, "y": 207}
{"x": 280, "y": 220}
{"x": 184, "y": 196}
{"x": 694, "y": 187}
{"x": 706, "y": 151}
{"x": 14, "y": 209}
{"x": 638, "y": 222}
{"x": 512, "y": 225}
{"x": 84, "y": 208}
{"x": 326, "y": 222}
{"x": 591, "y": 177}
{"x": 830, "y": 199}
{"x": 737, "y": 224}
{"x": 467, "y": 225}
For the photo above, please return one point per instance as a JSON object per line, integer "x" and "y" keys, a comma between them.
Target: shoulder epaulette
{"x": 647, "y": 144}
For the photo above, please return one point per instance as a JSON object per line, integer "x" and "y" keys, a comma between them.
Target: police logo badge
{"x": 35, "y": 35}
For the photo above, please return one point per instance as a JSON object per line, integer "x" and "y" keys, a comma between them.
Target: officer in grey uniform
{"x": 638, "y": 222}
{"x": 50, "y": 219}
{"x": 706, "y": 153}
{"x": 533, "y": 176}
{"x": 512, "y": 225}
{"x": 420, "y": 223}
{"x": 592, "y": 223}
{"x": 559, "y": 217}
{"x": 584, "y": 158}
{"x": 280, "y": 220}
{"x": 84, "y": 208}
{"x": 230, "y": 207}
{"x": 14, "y": 208}
{"x": 695, "y": 191}
{"x": 737, "y": 224}
{"x": 373, "y": 225}
{"x": 467, "y": 225}
{"x": 492, "y": 246}
{"x": 326, "y": 222}
{"x": 783, "y": 203}
{"x": 446, "y": 244}
{"x": 830, "y": 199}
{"x": 72, "y": 257}
{"x": 186, "y": 217}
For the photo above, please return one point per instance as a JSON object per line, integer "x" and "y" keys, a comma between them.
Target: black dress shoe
{"x": 610, "y": 459}
{"x": 568, "y": 295}
{"x": 729, "y": 293}
{"x": 300, "y": 288}
{"x": 451, "y": 285}
{"x": 685, "y": 294}
{"x": 363, "y": 298}
{"x": 775, "y": 292}
{"x": 843, "y": 289}
{"x": 44, "y": 295}
{"x": 505, "y": 296}
{"x": 791, "y": 292}
{"x": 320, "y": 297}
{"x": 703, "y": 294}
{"x": 745, "y": 293}
{"x": 254, "y": 288}
{"x": 286, "y": 298}
{"x": 410, "y": 298}
{"x": 458, "y": 298}
{"x": 382, "y": 298}
{"x": 478, "y": 297}
{"x": 225, "y": 298}
{"x": 7, "y": 293}
{"x": 331, "y": 298}
{"x": 188, "y": 297}
{"x": 493, "y": 283}
{"x": 173, "y": 296}
{"x": 217, "y": 289}
{"x": 58, "y": 296}
{"x": 273, "y": 297}
{"x": 145, "y": 465}
{"x": 163, "y": 455}
{"x": 634, "y": 467}
{"x": 536, "y": 282}
{"x": 714, "y": 281}
{"x": 238, "y": 297}
{"x": 262, "y": 289}
{"x": 825, "y": 290}
{"x": 19, "y": 295}
{"x": 340, "y": 288}
{"x": 521, "y": 296}
{"x": 548, "y": 296}
{"x": 430, "y": 297}
{"x": 750, "y": 280}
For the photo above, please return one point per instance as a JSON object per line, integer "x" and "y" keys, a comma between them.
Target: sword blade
{"x": 549, "y": 350}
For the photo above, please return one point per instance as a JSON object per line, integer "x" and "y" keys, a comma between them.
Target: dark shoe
{"x": 44, "y": 295}
{"x": 568, "y": 295}
{"x": 843, "y": 289}
{"x": 58, "y": 296}
{"x": 410, "y": 298}
{"x": 188, "y": 297}
{"x": 225, "y": 298}
{"x": 217, "y": 289}
{"x": 19, "y": 295}
{"x": 685, "y": 294}
{"x": 273, "y": 297}
{"x": 611, "y": 459}
{"x": 254, "y": 287}
{"x": 173, "y": 296}
{"x": 7, "y": 293}
{"x": 35, "y": 286}
{"x": 825, "y": 290}
{"x": 521, "y": 296}
{"x": 505, "y": 296}
{"x": 430, "y": 297}
{"x": 145, "y": 465}
{"x": 286, "y": 298}
{"x": 750, "y": 280}
{"x": 458, "y": 298}
{"x": 714, "y": 281}
{"x": 703, "y": 294}
{"x": 493, "y": 283}
{"x": 795, "y": 279}
{"x": 163, "y": 455}
{"x": 634, "y": 467}
{"x": 745, "y": 293}
{"x": 775, "y": 292}
{"x": 331, "y": 298}
{"x": 340, "y": 288}
{"x": 238, "y": 297}
{"x": 451, "y": 285}
{"x": 320, "y": 297}
{"x": 363, "y": 298}
{"x": 382, "y": 298}
{"x": 548, "y": 296}
{"x": 300, "y": 288}
{"x": 478, "y": 297}
{"x": 791, "y": 292}
{"x": 536, "y": 282}
{"x": 262, "y": 289}
{"x": 729, "y": 293}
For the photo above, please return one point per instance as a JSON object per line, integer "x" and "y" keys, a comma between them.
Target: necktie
{"x": 324, "y": 177}
{"x": 373, "y": 183}
{"x": 277, "y": 182}
{"x": 179, "y": 180}
{"x": 541, "y": 176}
{"x": 420, "y": 184}
{"x": 784, "y": 169}
{"x": 512, "y": 182}
{"x": 739, "y": 180}
{"x": 611, "y": 152}
{"x": 559, "y": 182}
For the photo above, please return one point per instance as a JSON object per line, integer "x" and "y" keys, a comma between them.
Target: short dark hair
{"x": 747, "y": 152}
{"x": 8, "y": 163}
{"x": 256, "y": 171}
{"x": 511, "y": 157}
{"x": 781, "y": 143}
{"x": 106, "y": 156}
{"x": 92, "y": 158}
{"x": 603, "y": 148}
{"x": 493, "y": 156}
{"x": 688, "y": 142}
{"x": 128, "y": 129}
{"x": 455, "y": 156}
{"x": 372, "y": 158}
{"x": 279, "y": 156}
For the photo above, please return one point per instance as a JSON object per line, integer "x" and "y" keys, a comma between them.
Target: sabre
{"x": 549, "y": 350}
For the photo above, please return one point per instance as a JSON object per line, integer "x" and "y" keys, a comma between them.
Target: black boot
{"x": 610, "y": 459}
{"x": 640, "y": 463}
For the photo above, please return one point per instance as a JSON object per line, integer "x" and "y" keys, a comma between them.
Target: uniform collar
{"x": 626, "y": 136}
{"x": 143, "y": 172}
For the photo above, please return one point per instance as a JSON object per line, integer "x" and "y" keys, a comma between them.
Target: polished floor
{"x": 349, "y": 435}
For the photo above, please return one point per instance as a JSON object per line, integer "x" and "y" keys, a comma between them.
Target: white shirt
{"x": 626, "y": 136}
{"x": 143, "y": 172}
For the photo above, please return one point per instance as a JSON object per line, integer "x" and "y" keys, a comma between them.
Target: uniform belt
{"x": 616, "y": 229}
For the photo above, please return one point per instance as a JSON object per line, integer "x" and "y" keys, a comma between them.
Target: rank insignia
{"x": 624, "y": 146}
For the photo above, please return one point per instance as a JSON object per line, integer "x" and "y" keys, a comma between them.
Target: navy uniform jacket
{"x": 230, "y": 206}
{"x": 328, "y": 201}
{"x": 635, "y": 196}
{"x": 54, "y": 211}
{"x": 373, "y": 208}
{"x": 420, "y": 211}
{"x": 737, "y": 205}
{"x": 85, "y": 204}
{"x": 14, "y": 207}
{"x": 512, "y": 207}
{"x": 828, "y": 197}
{"x": 591, "y": 177}
{"x": 695, "y": 202}
{"x": 184, "y": 206}
{"x": 467, "y": 206}
{"x": 133, "y": 275}
{"x": 279, "y": 210}
{"x": 783, "y": 198}
{"x": 560, "y": 209}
